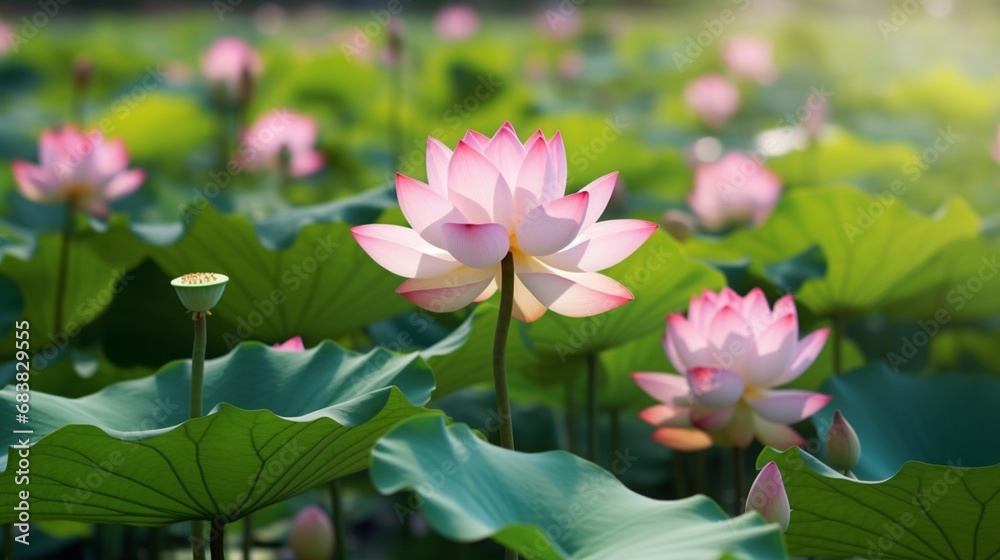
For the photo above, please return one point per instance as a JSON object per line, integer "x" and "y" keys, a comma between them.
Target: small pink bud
{"x": 293, "y": 344}
{"x": 312, "y": 534}
{"x": 842, "y": 445}
{"x": 768, "y": 498}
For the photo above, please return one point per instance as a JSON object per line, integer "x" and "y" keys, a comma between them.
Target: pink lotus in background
{"x": 226, "y": 62}
{"x": 571, "y": 64}
{"x": 87, "y": 171}
{"x": 312, "y": 534}
{"x": 496, "y": 195}
{"x": 768, "y": 497}
{"x": 713, "y": 98}
{"x": 735, "y": 190}
{"x": 817, "y": 107}
{"x": 557, "y": 22}
{"x": 282, "y": 131}
{"x": 5, "y": 37}
{"x": 456, "y": 22}
{"x": 751, "y": 58}
{"x": 293, "y": 344}
{"x": 732, "y": 351}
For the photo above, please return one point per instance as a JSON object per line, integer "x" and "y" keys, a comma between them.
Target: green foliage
{"x": 550, "y": 505}
{"x": 279, "y": 423}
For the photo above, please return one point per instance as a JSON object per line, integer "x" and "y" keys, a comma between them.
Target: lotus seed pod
{"x": 200, "y": 291}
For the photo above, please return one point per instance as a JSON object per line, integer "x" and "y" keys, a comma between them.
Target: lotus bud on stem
{"x": 843, "y": 448}
{"x": 768, "y": 497}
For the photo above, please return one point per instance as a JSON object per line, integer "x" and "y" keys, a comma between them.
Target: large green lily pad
{"x": 551, "y": 505}
{"x": 923, "y": 512}
{"x": 280, "y": 423}
{"x": 938, "y": 489}
{"x": 872, "y": 245}
{"x": 320, "y": 286}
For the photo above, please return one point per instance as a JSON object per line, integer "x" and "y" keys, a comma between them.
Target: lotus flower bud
{"x": 768, "y": 498}
{"x": 842, "y": 445}
{"x": 200, "y": 291}
{"x": 293, "y": 344}
{"x": 312, "y": 534}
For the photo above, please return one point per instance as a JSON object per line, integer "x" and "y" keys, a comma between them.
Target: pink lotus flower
{"x": 85, "y": 170}
{"x": 283, "y": 131}
{"x": 496, "y": 195}
{"x": 456, "y": 22}
{"x": 312, "y": 534}
{"x": 734, "y": 190}
{"x": 817, "y": 107}
{"x": 293, "y": 344}
{"x": 751, "y": 58}
{"x": 226, "y": 62}
{"x": 731, "y": 353}
{"x": 5, "y": 37}
{"x": 712, "y": 98}
{"x": 768, "y": 497}
{"x": 558, "y": 22}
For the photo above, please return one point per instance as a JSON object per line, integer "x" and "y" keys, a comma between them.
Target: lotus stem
{"x": 738, "y": 460}
{"x": 197, "y": 380}
{"x": 616, "y": 436}
{"x": 570, "y": 405}
{"x": 838, "y": 343}
{"x": 198, "y": 361}
{"x": 155, "y": 542}
{"x": 217, "y": 541}
{"x": 247, "y": 545}
{"x": 500, "y": 360}
{"x": 680, "y": 476}
{"x": 592, "y": 407}
{"x": 337, "y": 515}
{"x": 8, "y": 541}
{"x": 500, "y": 351}
{"x": 63, "y": 271}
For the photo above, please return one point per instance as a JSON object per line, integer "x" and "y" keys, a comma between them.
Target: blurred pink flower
{"x": 751, "y": 58}
{"x": 312, "y": 534}
{"x": 293, "y": 344}
{"x": 455, "y": 22}
{"x": 282, "y": 131}
{"x": 817, "y": 107}
{"x": 768, "y": 497}
{"x": 731, "y": 352}
{"x": 737, "y": 189}
{"x": 559, "y": 22}
{"x": 5, "y": 37}
{"x": 85, "y": 170}
{"x": 712, "y": 98}
{"x": 496, "y": 195}
{"x": 571, "y": 64}
{"x": 227, "y": 60}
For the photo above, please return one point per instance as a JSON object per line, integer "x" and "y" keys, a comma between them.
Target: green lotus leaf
{"x": 279, "y": 424}
{"x": 551, "y": 505}
{"x": 872, "y": 245}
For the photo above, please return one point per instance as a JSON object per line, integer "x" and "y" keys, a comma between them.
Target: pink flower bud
{"x": 842, "y": 445}
{"x": 312, "y": 534}
{"x": 768, "y": 498}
